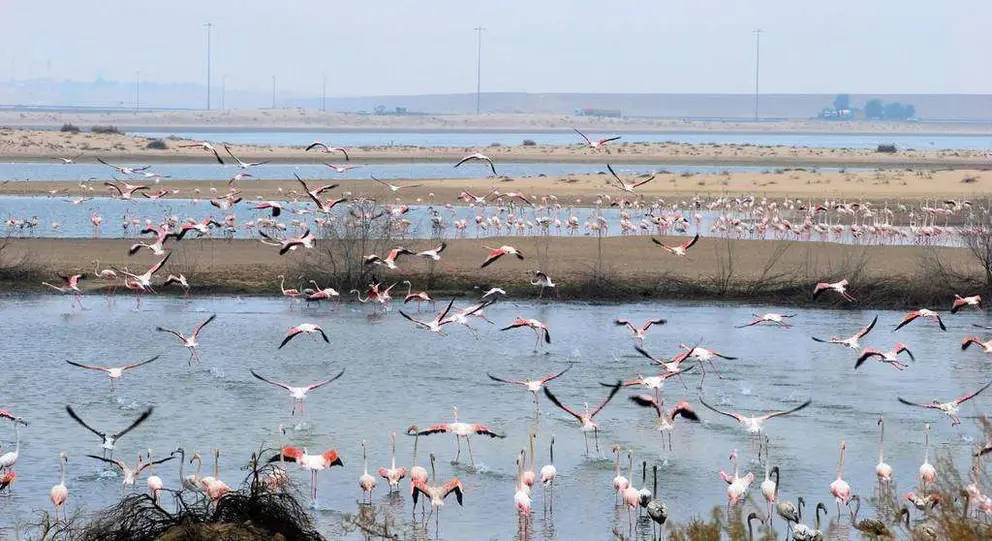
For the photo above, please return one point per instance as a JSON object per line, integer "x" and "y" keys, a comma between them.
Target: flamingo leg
{"x": 596, "y": 433}
{"x": 470, "y": 456}
{"x": 586, "y": 436}
{"x": 715, "y": 371}
{"x": 537, "y": 408}
{"x": 458, "y": 440}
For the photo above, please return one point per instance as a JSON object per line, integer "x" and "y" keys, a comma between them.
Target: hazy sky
{"x": 415, "y": 47}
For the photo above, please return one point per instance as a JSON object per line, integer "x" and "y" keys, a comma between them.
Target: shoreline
{"x": 619, "y": 269}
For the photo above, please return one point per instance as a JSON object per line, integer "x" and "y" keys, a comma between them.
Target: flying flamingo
{"x": 655, "y": 383}
{"x": 704, "y": 355}
{"x": 538, "y": 327}
{"x": 597, "y": 144}
{"x": 436, "y": 493}
{"x": 241, "y": 164}
{"x": 969, "y": 340}
{"x": 341, "y": 169}
{"x": 365, "y": 481}
{"x": 948, "y": 408}
{"x": 418, "y": 297}
{"x": 854, "y": 341}
{"x": 305, "y": 240}
{"x": 532, "y": 385}
{"x": 130, "y": 475}
{"x": 207, "y": 147}
{"x": 328, "y": 148}
{"x": 60, "y": 493}
{"x": 839, "y": 489}
{"x": 390, "y": 260}
{"x": 924, "y": 313}
{"x": 961, "y": 302}
{"x": 298, "y": 394}
{"x": 109, "y": 440}
{"x": 189, "y": 343}
{"x": 478, "y": 157}
{"x": 125, "y": 192}
{"x": 460, "y": 430}
{"x": 838, "y": 287}
{"x": 322, "y": 206}
{"x": 887, "y": 357}
{"x": 395, "y": 187}
{"x": 666, "y": 421}
{"x": 496, "y": 253}
{"x": 180, "y": 281}
{"x": 679, "y": 250}
{"x": 883, "y": 471}
{"x": 70, "y": 284}
{"x": 434, "y": 253}
{"x": 771, "y": 317}
{"x": 314, "y": 463}
{"x": 670, "y": 367}
{"x": 123, "y": 169}
{"x": 639, "y": 332}
{"x": 392, "y": 474}
{"x": 625, "y": 186}
{"x": 145, "y": 280}
{"x": 542, "y": 280}
{"x": 928, "y": 474}
{"x": 114, "y": 372}
{"x": 435, "y": 324}
{"x": 755, "y": 425}
{"x": 304, "y": 328}
{"x": 585, "y": 418}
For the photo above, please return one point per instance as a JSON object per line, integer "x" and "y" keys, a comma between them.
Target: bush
{"x": 495, "y": 144}
{"x": 113, "y": 130}
{"x": 889, "y": 149}
{"x": 69, "y": 128}
{"x": 157, "y": 144}
{"x": 529, "y": 143}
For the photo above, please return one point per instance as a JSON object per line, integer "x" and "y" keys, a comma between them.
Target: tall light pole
{"x": 223, "y": 92}
{"x": 208, "y": 26}
{"x": 757, "y": 69}
{"x": 478, "y": 73}
{"x": 137, "y": 91}
{"x": 273, "y": 91}
{"x": 323, "y": 95}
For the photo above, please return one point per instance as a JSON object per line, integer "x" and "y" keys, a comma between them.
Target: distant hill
{"x": 117, "y": 94}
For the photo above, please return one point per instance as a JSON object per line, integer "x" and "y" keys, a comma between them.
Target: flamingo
{"x": 70, "y": 160}
{"x": 738, "y": 489}
{"x": 395, "y": 187}
{"x": 961, "y": 302}
{"x": 123, "y": 169}
{"x": 389, "y": 261}
{"x": 788, "y": 511}
{"x": 305, "y": 240}
{"x": 304, "y": 328}
{"x": 460, "y": 430}
{"x": 327, "y": 148}
{"x": 771, "y": 317}
{"x": 887, "y": 357}
{"x": 496, "y": 253}
{"x": 130, "y": 474}
{"x": 631, "y": 496}
{"x": 549, "y": 473}
{"x": 670, "y": 367}
{"x": 657, "y": 510}
{"x": 241, "y": 164}
{"x": 639, "y": 332}
{"x": 478, "y": 156}
{"x": 274, "y": 207}
{"x": 207, "y": 147}
{"x": 838, "y": 287}
{"x": 542, "y": 280}
{"x": 366, "y": 482}
{"x": 585, "y": 418}
{"x": 620, "y": 483}
{"x": 144, "y": 281}
{"x": 597, "y": 144}
{"x": 948, "y": 408}
{"x": 922, "y": 530}
{"x": 679, "y": 250}
{"x": 314, "y": 463}
{"x": 322, "y": 206}
{"x": 213, "y": 487}
{"x": 872, "y": 527}
{"x": 769, "y": 487}
{"x": 392, "y": 474}
{"x": 839, "y": 489}
{"x": 532, "y": 385}
{"x": 666, "y": 421}
{"x": 924, "y": 313}
{"x": 114, "y": 372}
{"x": 8, "y": 459}
{"x": 180, "y": 281}
{"x": 703, "y": 355}
{"x": 190, "y": 342}
{"x": 883, "y": 471}
{"x": 625, "y": 186}
{"x": 417, "y": 473}
{"x": 107, "y": 275}
{"x": 4, "y": 414}
{"x": 341, "y": 169}
{"x": 969, "y": 340}
{"x": 435, "y": 325}
{"x": 291, "y": 293}
{"x": 189, "y": 482}
{"x": 528, "y": 477}
{"x": 60, "y": 493}
{"x": 70, "y": 284}
{"x": 434, "y": 253}
{"x": 436, "y": 493}
{"x": 154, "y": 482}
{"x": 126, "y": 191}
{"x": 418, "y": 297}
{"x": 539, "y": 328}
{"x": 109, "y": 440}
{"x": 928, "y": 474}
{"x": 756, "y": 425}
{"x": 494, "y": 291}
{"x": 298, "y": 394}
{"x": 521, "y": 498}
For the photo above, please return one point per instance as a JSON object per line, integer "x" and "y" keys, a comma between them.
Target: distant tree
{"x": 874, "y": 109}
{"x": 909, "y": 111}
{"x": 842, "y": 101}
{"x": 893, "y": 111}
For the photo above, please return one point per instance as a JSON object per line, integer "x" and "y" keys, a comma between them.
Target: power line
{"x": 478, "y": 73}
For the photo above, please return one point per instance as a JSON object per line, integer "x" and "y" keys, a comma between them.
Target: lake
{"x": 397, "y": 375}
{"x": 482, "y": 139}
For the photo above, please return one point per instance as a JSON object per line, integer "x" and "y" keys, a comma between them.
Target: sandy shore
{"x": 583, "y": 190}
{"x": 29, "y": 145}
{"x": 630, "y": 267}
{"x": 294, "y": 119}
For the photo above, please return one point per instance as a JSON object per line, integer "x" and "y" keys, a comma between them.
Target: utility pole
{"x": 208, "y": 26}
{"x": 273, "y": 91}
{"x": 323, "y": 95}
{"x": 137, "y": 91}
{"x": 223, "y": 92}
{"x": 478, "y": 73}
{"x": 757, "y": 69}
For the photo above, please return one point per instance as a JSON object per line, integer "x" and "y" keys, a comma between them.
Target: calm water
{"x": 435, "y": 139}
{"x": 398, "y": 375}
{"x": 205, "y": 171}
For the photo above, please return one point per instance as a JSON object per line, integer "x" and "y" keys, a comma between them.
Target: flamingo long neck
{"x": 182, "y": 465}
{"x": 416, "y": 440}
{"x": 216, "y": 465}
{"x": 926, "y": 438}
{"x": 409, "y": 289}
{"x": 393, "y": 452}
{"x": 630, "y": 466}
{"x": 881, "y": 445}
{"x": 616, "y": 465}
{"x": 17, "y": 435}
{"x": 282, "y": 284}
{"x": 552, "y": 451}
{"x": 62, "y": 467}
{"x": 654, "y": 483}
{"x": 840, "y": 467}
{"x": 199, "y": 464}
{"x": 532, "y": 452}
{"x": 365, "y": 460}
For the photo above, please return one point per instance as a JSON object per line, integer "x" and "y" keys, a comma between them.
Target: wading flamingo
{"x": 365, "y": 481}
{"x": 755, "y": 425}
{"x": 436, "y": 493}
{"x": 532, "y": 385}
{"x": 839, "y": 489}
{"x": 114, "y": 372}
{"x": 585, "y": 418}
{"x": 60, "y": 493}
{"x": 948, "y": 408}
{"x": 190, "y": 342}
{"x": 298, "y": 394}
{"x": 460, "y": 430}
{"x": 883, "y": 471}
{"x": 392, "y": 474}
{"x": 666, "y": 421}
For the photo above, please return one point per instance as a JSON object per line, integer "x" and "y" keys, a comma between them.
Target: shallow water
{"x": 438, "y": 139}
{"x": 398, "y": 375}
